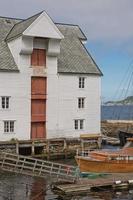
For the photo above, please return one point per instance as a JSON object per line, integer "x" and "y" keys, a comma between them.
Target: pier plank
{"x": 86, "y": 184}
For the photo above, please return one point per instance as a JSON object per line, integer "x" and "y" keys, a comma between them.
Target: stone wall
{"x": 112, "y": 127}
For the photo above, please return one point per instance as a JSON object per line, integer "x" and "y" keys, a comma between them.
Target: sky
{"x": 108, "y": 25}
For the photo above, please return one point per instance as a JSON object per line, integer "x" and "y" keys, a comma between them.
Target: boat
{"x": 107, "y": 161}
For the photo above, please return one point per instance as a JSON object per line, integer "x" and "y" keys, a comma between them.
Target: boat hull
{"x": 88, "y": 165}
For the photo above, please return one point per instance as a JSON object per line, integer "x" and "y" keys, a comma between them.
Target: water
{"x": 116, "y": 112}
{"x": 20, "y": 187}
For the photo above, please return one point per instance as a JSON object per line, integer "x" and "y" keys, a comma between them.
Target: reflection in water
{"x": 18, "y": 187}
{"x": 22, "y": 187}
{"x": 38, "y": 190}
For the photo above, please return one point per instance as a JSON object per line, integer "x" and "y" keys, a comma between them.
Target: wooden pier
{"x": 68, "y": 179}
{"x": 51, "y": 148}
{"x": 113, "y": 181}
{"x": 36, "y": 167}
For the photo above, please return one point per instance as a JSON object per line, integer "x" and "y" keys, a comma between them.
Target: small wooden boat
{"x": 120, "y": 161}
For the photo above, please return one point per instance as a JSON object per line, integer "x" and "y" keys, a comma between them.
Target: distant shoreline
{"x": 127, "y": 101}
{"x": 113, "y": 121}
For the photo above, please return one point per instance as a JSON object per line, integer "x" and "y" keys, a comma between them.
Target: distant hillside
{"x": 126, "y": 101}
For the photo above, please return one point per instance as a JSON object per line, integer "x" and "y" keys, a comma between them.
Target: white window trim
{"x": 9, "y": 132}
{"x": 81, "y": 84}
{"x": 78, "y": 124}
{"x": 4, "y": 109}
{"x": 82, "y": 103}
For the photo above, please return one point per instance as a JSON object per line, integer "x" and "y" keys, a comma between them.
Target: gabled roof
{"x": 74, "y": 57}
{"x": 7, "y": 62}
{"x": 71, "y": 29}
{"x": 20, "y": 27}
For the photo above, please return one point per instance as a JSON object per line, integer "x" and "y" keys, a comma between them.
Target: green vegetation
{"x": 127, "y": 101}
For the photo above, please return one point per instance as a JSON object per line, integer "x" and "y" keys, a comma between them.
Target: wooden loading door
{"x": 38, "y": 130}
{"x": 38, "y": 107}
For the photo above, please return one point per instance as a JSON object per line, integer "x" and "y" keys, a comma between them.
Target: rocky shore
{"x": 111, "y": 128}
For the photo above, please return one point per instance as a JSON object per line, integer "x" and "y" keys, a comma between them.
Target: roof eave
{"x": 84, "y": 73}
{"x": 12, "y": 38}
{"x": 10, "y": 70}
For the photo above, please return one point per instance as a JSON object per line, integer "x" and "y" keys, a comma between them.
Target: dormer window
{"x": 38, "y": 57}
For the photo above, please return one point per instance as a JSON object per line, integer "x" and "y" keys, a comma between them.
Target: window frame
{"x": 76, "y": 124}
{"x": 9, "y": 126}
{"x": 81, "y": 102}
{"x": 81, "y": 82}
{"x": 5, "y": 102}
{"x": 79, "y": 124}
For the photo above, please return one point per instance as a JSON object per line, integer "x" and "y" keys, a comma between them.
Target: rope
{"x": 126, "y": 82}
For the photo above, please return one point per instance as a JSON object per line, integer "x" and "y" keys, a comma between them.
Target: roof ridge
{"x": 67, "y": 24}
{"x": 24, "y": 20}
{"x": 5, "y": 17}
{"x": 14, "y": 18}
{"x": 73, "y": 26}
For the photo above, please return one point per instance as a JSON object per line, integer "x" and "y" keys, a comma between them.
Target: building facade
{"x": 50, "y": 86}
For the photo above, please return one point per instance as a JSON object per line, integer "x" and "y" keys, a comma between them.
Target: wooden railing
{"x": 36, "y": 167}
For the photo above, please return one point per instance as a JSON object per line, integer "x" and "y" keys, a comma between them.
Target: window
{"x": 76, "y": 124}
{"x": 5, "y": 102}
{"x": 81, "y": 82}
{"x": 81, "y": 102}
{"x": 8, "y": 126}
{"x": 38, "y": 57}
{"x": 79, "y": 124}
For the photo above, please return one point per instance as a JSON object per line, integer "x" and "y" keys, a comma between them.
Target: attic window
{"x": 38, "y": 57}
{"x": 8, "y": 21}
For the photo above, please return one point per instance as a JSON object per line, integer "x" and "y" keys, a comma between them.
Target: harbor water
{"x": 117, "y": 112}
{"x": 21, "y": 187}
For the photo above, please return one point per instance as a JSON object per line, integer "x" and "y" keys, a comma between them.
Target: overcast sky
{"x": 106, "y": 23}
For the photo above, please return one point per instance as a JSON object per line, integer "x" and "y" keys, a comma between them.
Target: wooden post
{"x": 47, "y": 149}
{"x": 22, "y": 165}
{"x": 34, "y": 166}
{"x": 33, "y": 148}
{"x": 99, "y": 142}
{"x": 82, "y": 145}
{"x": 65, "y": 148}
{"x": 17, "y": 147}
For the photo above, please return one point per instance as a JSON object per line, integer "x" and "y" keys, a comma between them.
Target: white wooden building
{"x": 50, "y": 86}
